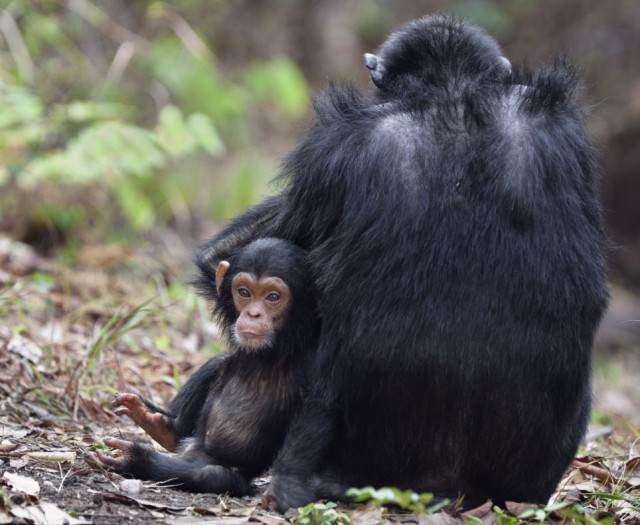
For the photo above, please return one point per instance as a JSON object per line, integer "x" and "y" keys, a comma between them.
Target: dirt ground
{"x": 123, "y": 321}
{"x": 72, "y": 491}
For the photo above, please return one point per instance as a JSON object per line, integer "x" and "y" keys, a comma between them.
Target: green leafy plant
{"x": 541, "y": 514}
{"x": 281, "y": 81}
{"x": 321, "y": 514}
{"x": 404, "y": 499}
{"x": 79, "y": 122}
{"x": 565, "y": 512}
{"x": 112, "y": 332}
{"x": 43, "y": 281}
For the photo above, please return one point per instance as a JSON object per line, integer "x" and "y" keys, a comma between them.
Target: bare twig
{"x": 190, "y": 38}
{"x": 97, "y": 18}
{"x": 64, "y": 477}
{"x": 123, "y": 57}
{"x": 16, "y": 44}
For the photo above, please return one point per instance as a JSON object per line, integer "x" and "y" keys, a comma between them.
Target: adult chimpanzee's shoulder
{"x": 549, "y": 90}
{"x": 529, "y": 129}
{"x": 548, "y": 107}
{"x": 543, "y": 102}
{"x": 340, "y": 104}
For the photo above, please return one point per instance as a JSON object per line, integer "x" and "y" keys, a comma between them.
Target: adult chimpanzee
{"x": 452, "y": 223}
{"x": 229, "y": 420}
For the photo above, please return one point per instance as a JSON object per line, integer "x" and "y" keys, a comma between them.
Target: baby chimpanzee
{"x": 229, "y": 421}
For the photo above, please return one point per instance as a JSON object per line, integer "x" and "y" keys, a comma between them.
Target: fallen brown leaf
{"x": 59, "y": 457}
{"x": 268, "y": 519}
{"x": 22, "y": 484}
{"x": 368, "y": 515}
{"x": 46, "y": 513}
{"x": 7, "y": 446}
{"x": 439, "y": 518}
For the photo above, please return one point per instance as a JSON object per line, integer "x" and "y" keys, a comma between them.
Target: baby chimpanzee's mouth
{"x": 252, "y": 333}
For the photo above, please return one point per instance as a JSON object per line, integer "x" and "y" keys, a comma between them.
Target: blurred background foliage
{"x": 120, "y": 118}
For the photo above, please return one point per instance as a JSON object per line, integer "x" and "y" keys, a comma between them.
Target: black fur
{"x": 454, "y": 231}
{"x": 231, "y": 417}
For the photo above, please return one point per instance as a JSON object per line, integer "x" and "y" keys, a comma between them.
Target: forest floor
{"x": 123, "y": 320}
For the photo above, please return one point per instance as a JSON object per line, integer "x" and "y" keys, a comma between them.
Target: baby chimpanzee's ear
{"x": 221, "y": 271}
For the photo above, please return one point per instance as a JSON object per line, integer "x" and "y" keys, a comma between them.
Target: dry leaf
{"x": 516, "y": 508}
{"x": 103, "y": 255}
{"x": 17, "y": 257}
{"x": 269, "y": 519}
{"x": 4, "y": 517}
{"x": 53, "y": 514}
{"x": 439, "y": 518}
{"x": 368, "y": 515}
{"x": 7, "y": 446}
{"x": 22, "y": 483}
{"x": 195, "y": 520}
{"x": 59, "y": 457}
{"x": 123, "y": 498}
{"x": 19, "y": 463}
{"x": 478, "y": 512}
{"x": 131, "y": 486}
{"x": 46, "y": 514}
{"x": 13, "y": 432}
{"x": 25, "y": 348}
